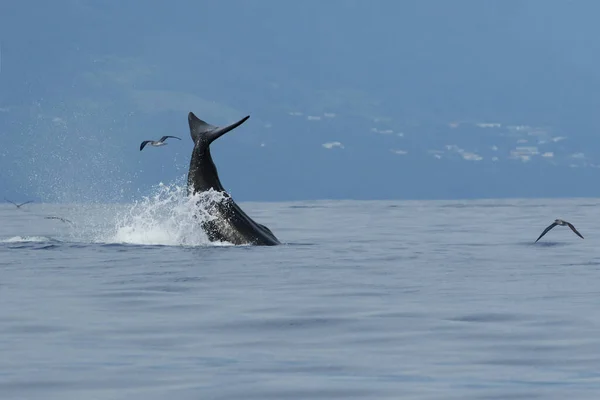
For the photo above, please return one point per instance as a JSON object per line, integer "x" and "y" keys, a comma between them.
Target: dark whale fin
{"x": 207, "y": 133}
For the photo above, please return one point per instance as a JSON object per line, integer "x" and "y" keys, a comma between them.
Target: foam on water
{"x": 27, "y": 239}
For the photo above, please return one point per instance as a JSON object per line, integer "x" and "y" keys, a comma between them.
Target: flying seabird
{"x": 160, "y": 142}
{"x": 60, "y": 218}
{"x": 18, "y": 205}
{"x": 561, "y": 223}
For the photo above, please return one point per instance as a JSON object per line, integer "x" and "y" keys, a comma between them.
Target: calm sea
{"x": 366, "y": 300}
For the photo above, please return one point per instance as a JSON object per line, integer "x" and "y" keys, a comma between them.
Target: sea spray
{"x": 169, "y": 217}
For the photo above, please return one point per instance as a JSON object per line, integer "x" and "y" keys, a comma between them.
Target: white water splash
{"x": 169, "y": 217}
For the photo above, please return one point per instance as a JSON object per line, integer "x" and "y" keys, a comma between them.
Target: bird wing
{"x": 62, "y": 219}
{"x": 27, "y": 202}
{"x": 574, "y": 230}
{"x": 162, "y": 139}
{"x": 546, "y": 230}
{"x": 144, "y": 143}
{"x": 12, "y": 202}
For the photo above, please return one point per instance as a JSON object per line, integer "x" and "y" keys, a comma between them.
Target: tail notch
{"x": 205, "y": 132}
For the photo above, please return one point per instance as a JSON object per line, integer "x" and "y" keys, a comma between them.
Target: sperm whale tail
{"x": 204, "y": 133}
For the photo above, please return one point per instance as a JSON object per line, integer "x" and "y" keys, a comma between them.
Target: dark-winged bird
{"x": 18, "y": 205}
{"x": 60, "y": 219}
{"x": 561, "y": 223}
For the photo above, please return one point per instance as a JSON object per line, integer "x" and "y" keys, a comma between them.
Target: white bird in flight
{"x": 157, "y": 143}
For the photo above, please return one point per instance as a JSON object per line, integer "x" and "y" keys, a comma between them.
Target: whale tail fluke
{"x": 203, "y": 132}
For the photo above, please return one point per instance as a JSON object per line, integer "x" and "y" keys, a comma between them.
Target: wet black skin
{"x": 231, "y": 224}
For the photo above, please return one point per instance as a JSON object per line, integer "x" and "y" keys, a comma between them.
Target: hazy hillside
{"x": 348, "y": 99}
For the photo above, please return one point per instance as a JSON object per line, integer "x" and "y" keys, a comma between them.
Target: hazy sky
{"x": 83, "y": 82}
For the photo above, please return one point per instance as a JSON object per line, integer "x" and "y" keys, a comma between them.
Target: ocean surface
{"x": 365, "y": 300}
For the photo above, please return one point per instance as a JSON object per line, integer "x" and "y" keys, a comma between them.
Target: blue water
{"x": 369, "y": 300}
